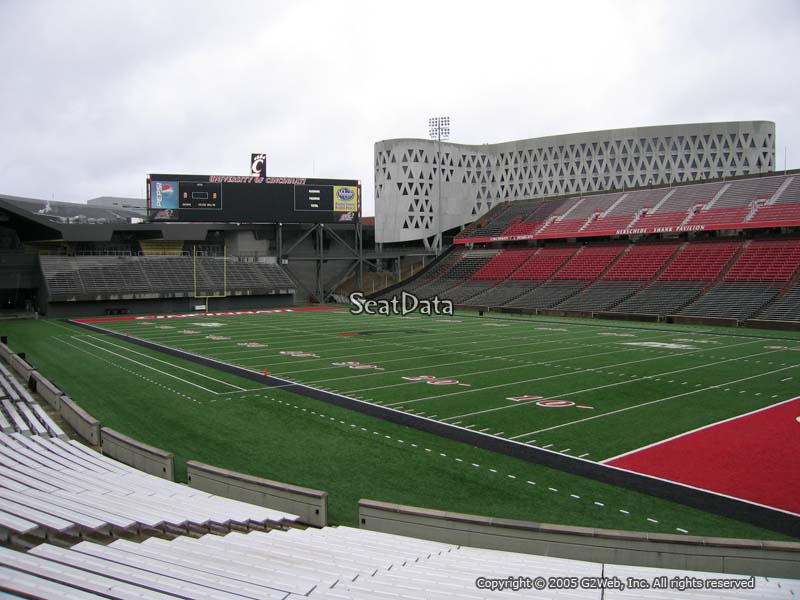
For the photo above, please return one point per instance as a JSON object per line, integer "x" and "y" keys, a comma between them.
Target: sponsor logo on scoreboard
{"x": 348, "y": 217}
{"x": 164, "y": 194}
{"x": 345, "y": 198}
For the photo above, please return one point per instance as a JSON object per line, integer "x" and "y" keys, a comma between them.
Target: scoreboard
{"x": 250, "y": 199}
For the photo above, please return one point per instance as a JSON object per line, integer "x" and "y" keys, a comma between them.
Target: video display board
{"x": 252, "y": 199}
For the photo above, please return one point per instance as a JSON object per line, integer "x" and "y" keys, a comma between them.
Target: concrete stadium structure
{"x": 472, "y": 178}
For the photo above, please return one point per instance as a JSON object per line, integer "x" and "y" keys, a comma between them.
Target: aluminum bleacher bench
{"x": 36, "y": 426}
{"x": 126, "y": 554}
{"x": 51, "y": 426}
{"x": 33, "y": 586}
{"x": 71, "y": 578}
{"x": 14, "y": 417}
{"x": 137, "y": 577}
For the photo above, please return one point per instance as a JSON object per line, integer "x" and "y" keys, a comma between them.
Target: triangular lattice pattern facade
{"x": 408, "y": 172}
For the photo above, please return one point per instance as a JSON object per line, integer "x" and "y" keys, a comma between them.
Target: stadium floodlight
{"x": 439, "y": 129}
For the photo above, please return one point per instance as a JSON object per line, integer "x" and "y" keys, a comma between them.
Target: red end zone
{"x": 197, "y": 315}
{"x": 755, "y": 457}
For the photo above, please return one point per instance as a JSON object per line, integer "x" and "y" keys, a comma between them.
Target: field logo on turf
{"x": 523, "y": 398}
{"x": 562, "y": 404}
{"x": 299, "y": 354}
{"x": 555, "y": 403}
{"x": 665, "y": 345}
{"x": 252, "y": 345}
{"x": 356, "y": 365}
{"x": 433, "y": 380}
{"x": 217, "y": 338}
{"x": 189, "y": 331}
{"x": 208, "y": 324}
{"x": 164, "y": 327}
{"x": 402, "y": 305}
{"x": 695, "y": 341}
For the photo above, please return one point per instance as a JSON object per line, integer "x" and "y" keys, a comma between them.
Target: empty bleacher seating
{"x": 702, "y": 261}
{"x": 660, "y": 220}
{"x": 731, "y": 301}
{"x": 503, "y": 264}
{"x": 544, "y": 263}
{"x": 599, "y": 296}
{"x": 70, "y": 277}
{"x": 590, "y": 262}
{"x": 785, "y": 307}
{"x": 719, "y": 216}
{"x": 732, "y": 204}
{"x": 565, "y": 228}
{"x": 660, "y": 298}
{"x": 775, "y": 214}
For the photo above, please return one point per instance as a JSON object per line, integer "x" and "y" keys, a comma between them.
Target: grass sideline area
{"x": 207, "y": 415}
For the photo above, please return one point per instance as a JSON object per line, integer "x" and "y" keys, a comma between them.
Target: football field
{"x": 587, "y": 389}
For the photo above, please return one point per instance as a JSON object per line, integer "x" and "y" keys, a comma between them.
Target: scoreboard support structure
{"x": 323, "y": 289}
{"x": 299, "y": 208}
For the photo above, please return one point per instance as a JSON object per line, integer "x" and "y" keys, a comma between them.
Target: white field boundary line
{"x": 533, "y": 320}
{"x": 166, "y": 362}
{"x": 468, "y": 326}
{"x": 335, "y": 334}
{"x": 502, "y": 357}
{"x": 543, "y": 339}
{"x": 569, "y": 374}
{"x": 401, "y": 347}
{"x": 656, "y": 401}
{"x": 506, "y": 358}
{"x": 141, "y": 364}
{"x": 680, "y": 435}
{"x": 627, "y": 381}
{"x": 119, "y": 365}
{"x": 413, "y": 348}
{"x": 289, "y": 383}
{"x": 299, "y": 332}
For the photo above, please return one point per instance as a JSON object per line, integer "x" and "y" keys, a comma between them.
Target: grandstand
{"x": 729, "y": 253}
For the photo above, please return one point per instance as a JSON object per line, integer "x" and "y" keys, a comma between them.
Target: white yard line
{"x": 656, "y": 401}
{"x": 83, "y": 341}
{"x": 572, "y": 373}
{"x": 172, "y": 365}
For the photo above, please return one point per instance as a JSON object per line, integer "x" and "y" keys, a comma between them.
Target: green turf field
{"x": 206, "y": 415}
{"x": 624, "y": 387}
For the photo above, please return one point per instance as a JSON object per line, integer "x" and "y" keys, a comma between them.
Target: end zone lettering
{"x": 402, "y": 305}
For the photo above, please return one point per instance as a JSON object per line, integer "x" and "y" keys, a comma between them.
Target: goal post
{"x": 198, "y": 291}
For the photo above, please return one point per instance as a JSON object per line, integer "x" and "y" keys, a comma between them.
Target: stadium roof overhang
{"x": 32, "y": 227}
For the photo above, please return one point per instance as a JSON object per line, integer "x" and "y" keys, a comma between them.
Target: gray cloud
{"x": 95, "y": 95}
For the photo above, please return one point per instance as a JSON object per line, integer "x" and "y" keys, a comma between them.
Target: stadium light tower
{"x": 439, "y": 129}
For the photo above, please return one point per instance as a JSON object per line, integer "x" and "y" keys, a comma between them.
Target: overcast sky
{"x": 95, "y": 95}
